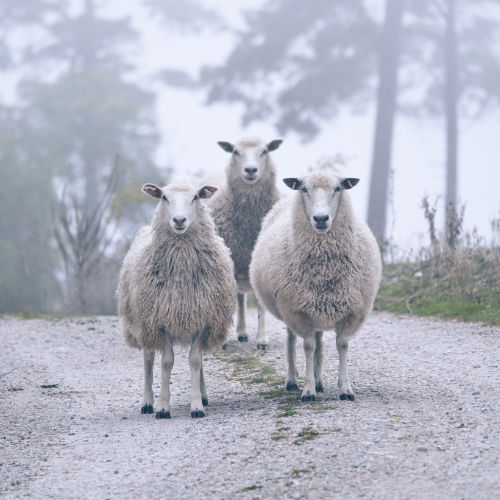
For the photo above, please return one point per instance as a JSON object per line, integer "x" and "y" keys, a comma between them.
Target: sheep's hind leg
{"x": 262, "y": 340}
{"x": 241, "y": 328}
{"x": 318, "y": 363}
{"x": 291, "y": 376}
{"x": 345, "y": 389}
{"x": 203, "y": 389}
{"x": 309, "y": 391}
{"x": 167, "y": 362}
{"x": 195, "y": 361}
{"x": 149, "y": 359}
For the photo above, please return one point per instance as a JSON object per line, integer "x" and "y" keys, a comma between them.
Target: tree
{"x": 27, "y": 277}
{"x": 297, "y": 62}
{"x": 389, "y": 50}
{"x": 454, "y": 44}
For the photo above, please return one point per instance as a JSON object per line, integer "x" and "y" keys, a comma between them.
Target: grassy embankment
{"x": 455, "y": 277}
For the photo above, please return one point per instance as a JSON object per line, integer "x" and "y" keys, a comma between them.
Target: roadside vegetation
{"x": 456, "y": 276}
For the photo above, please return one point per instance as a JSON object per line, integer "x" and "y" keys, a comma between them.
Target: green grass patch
{"x": 253, "y": 487}
{"x": 300, "y": 472}
{"x": 306, "y": 434}
{"x": 407, "y": 290}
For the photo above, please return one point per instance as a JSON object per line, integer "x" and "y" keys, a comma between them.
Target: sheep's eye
{"x": 264, "y": 153}
{"x": 163, "y": 197}
{"x": 303, "y": 189}
{"x": 236, "y": 153}
{"x": 195, "y": 197}
{"x": 337, "y": 189}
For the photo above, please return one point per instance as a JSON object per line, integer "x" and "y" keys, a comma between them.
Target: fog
{"x": 179, "y": 127}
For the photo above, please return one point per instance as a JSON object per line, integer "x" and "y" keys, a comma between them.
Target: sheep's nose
{"x": 251, "y": 170}
{"x": 179, "y": 220}
{"x": 321, "y": 218}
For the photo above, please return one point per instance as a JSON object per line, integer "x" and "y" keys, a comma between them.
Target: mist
{"x": 160, "y": 82}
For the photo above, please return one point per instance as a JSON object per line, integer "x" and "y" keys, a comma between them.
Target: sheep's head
{"x": 179, "y": 204}
{"x": 249, "y": 160}
{"x": 321, "y": 194}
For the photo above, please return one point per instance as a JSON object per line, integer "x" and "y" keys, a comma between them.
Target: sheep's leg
{"x": 262, "y": 340}
{"x": 195, "y": 361}
{"x": 291, "y": 376}
{"x": 203, "y": 389}
{"x": 241, "y": 328}
{"x": 345, "y": 389}
{"x": 318, "y": 363}
{"x": 309, "y": 391}
{"x": 149, "y": 359}
{"x": 167, "y": 362}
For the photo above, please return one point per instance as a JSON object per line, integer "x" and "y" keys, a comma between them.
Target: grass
{"x": 457, "y": 276}
{"x": 253, "y": 487}
{"x": 306, "y": 434}
{"x": 405, "y": 289}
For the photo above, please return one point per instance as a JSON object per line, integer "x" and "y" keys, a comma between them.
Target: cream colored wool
{"x": 312, "y": 281}
{"x": 238, "y": 209}
{"x": 176, "y": 286}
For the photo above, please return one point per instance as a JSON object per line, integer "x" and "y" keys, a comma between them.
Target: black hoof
{"x": 198, "y": 414}
{"x": 243, "y": 338}
{"x": 147, "y": 409}
{"x": 292, "y": 386}
{"x": 319, "y": 387}
{"x": 204, "y": 401}
{"x": 162, "y": 414}
{"x": 263, "y": 347}
{"x": 308, "y": 397}
{"x": 345, "y": 397}
{"x": 224, "y": 346}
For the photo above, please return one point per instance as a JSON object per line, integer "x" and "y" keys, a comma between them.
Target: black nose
{"x": 179, "y": 220}
{"x": 321, "y": 219}
{"x": 251, "y": 170}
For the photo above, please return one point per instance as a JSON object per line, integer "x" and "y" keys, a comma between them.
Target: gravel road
{"x": 424, "y": 424}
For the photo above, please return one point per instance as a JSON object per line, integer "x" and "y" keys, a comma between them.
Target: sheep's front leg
{"x": 195, "y": 360}
{"x": 309, "y": 391}
{"x": 167, "y": 362}
{"x": 241, "y": 327}
{"x": 345, "y": 389}
{"x": 149, "y": 359}
{"x": 262, "y": 340}
{"x": 291, "y": 376}
{"x": 203, "y": 389}
{"x": 318, "y": 363}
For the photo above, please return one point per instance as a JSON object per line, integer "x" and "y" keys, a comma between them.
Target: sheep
{"x": 317, "y": 267}
{"x": 176, "y": 286}
{"x": 238, "y": 209}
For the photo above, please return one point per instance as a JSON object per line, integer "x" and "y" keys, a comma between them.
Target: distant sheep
{"x": 177, "y": 286}
{"x": 317, "y": 267}
{"x": 238, "y": 209}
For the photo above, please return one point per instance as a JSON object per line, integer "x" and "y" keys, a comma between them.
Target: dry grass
{"x": 456, "y": 276}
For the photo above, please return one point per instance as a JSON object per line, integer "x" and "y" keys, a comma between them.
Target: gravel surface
{"x": 424, "y": 424}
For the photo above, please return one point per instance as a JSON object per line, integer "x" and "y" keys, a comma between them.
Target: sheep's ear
{"x": 349, "y": 182}
{"x": 153, "y": 190}
{"x": 274, "y": 144}
{"x": 206, "y": 192}
{"x": 293, "y": 183}
{"x": 226, "y": 146}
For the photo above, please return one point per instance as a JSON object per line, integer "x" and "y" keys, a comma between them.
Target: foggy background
{"x": 160, "y": 82}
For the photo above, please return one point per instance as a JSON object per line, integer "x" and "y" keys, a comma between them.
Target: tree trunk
{"x": 386, "y": 105}
{"x": 451, "y": 99}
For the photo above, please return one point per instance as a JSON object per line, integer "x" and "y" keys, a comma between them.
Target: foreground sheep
{"x": 238, "y": 209}
{"x": 176, "y": 287}
{"x": 317, "y": 267}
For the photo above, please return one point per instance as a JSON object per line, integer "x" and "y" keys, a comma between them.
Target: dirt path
{"x": 424, "y": 424}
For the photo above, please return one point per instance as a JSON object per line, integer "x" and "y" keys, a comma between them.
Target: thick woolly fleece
{"x": 316, "y": 281}
{"x": 174, "y": 287}
{"x": 238, "y": 209}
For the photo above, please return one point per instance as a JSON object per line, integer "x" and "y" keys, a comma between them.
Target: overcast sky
{"x": 190, "y": 131}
